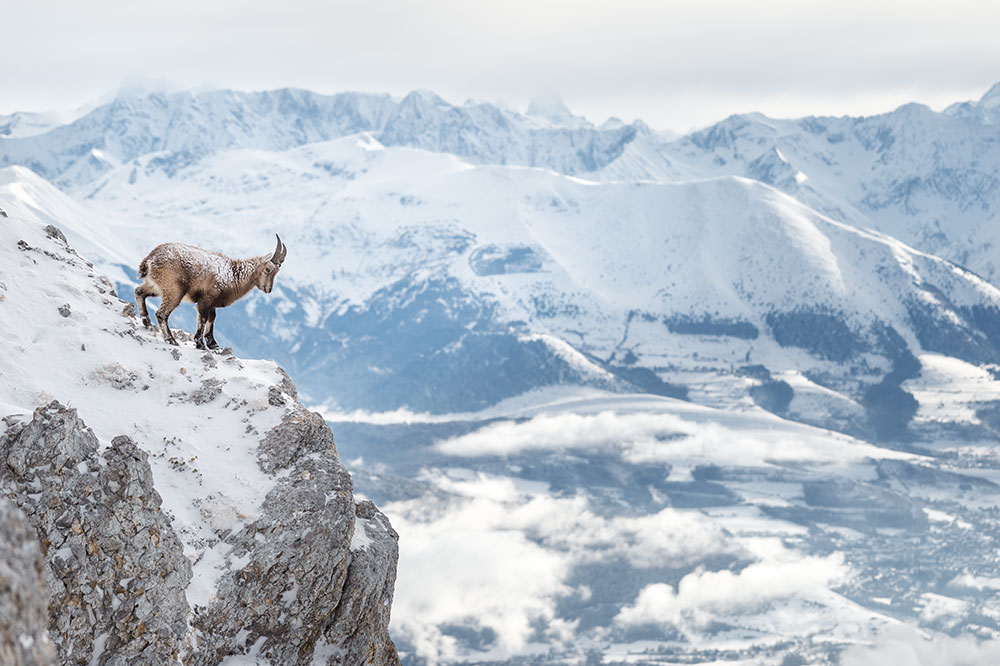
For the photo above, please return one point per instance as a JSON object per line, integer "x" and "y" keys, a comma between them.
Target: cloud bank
{"x": 704, "y": 435}
{"x": 703, "y": 596}
{"x": 904, "y": 645}
{"x": 494, "y": 558}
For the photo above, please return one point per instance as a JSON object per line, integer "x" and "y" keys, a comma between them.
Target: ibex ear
{"x": 279, "y": 252}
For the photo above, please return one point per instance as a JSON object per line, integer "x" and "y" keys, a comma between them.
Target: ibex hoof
{"x": 146, "y": 322}
{"x": 212, "y": 344}
{"x": 173, "y": 342}
{"x": 200, "y": 344}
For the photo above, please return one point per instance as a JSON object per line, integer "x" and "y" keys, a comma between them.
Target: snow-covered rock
{"x": 187, "y": 505}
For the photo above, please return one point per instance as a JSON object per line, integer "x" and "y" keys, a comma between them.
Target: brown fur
{"x": 210, "y": 280}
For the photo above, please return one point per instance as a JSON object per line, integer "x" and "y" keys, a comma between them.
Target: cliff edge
{"x": 186, "y": 507}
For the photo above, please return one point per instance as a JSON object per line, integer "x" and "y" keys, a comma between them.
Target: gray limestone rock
{"x": 276, "y": 395}
{"x": 298, "y": 560}
{"x": 363, "y": 613}
{"x": 24, "y": 599}
{"x": 286, "y": 384}
{"x": 114, "y": 566}
{"x": 207, "y": 392}
{"x": 300, "y": 432}
{"x": 319, "y": 574}
{"x": 309, "y": 582}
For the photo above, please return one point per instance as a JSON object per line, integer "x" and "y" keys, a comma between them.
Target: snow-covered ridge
{"x": 929, "y": 179}
{"x": 226, "y": 442}
{"x": 181, "y": 128}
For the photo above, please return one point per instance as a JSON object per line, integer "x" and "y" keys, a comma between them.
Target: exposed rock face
{"x": 300, "y": 433}
{"x": 309, "y": 582}
{"x": 309, "y": 592}
{"x": 367, "y": 598}
{"x": 24, "y": 600}
{"x": 250, "y": 543}
{"x": 115, "y": 568}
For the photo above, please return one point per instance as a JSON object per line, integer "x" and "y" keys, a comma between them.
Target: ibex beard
{"x": 176, "y": 272}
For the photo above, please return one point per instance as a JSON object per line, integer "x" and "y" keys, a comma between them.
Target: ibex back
{"x": 176, "y": 272}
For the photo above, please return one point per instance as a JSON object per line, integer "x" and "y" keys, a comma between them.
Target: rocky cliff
{"x": 181, "y": 507}
{"x": 24, "y": 640}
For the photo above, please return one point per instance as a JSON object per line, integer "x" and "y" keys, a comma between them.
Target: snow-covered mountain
{"x": 177, "y": 129}
{"x": 930, "y": 179}
{"x": 518, "y": 318}
{"x": 428, "y": 282}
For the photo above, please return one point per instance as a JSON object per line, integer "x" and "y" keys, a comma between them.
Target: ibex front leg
{"x": 199, "y": 333}
{"x": 210, "y": 330}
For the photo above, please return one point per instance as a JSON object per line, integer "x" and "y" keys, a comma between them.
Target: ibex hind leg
{"x": 142, "y": 292}
{"x": 168, "y": 305}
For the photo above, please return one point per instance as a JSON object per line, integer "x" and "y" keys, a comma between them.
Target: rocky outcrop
{"x": 317, "y": 571}
{"x": 367, "y": 598}
{"x": 115, "y": 569}
{"x": 24, "y": 599}
{"x": 310, "y": 581}
{"x": 221, "y": 524}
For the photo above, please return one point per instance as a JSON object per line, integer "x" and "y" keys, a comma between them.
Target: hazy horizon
{"x": 137, "y": 87}
{"x": 677, "y": 66}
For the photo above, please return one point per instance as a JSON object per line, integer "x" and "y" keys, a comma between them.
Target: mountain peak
{"x": 142, "y": 87}
{"x": 991, "y": 100}
{"x": 421, "y": 97}
{"x": 548, "y": 105}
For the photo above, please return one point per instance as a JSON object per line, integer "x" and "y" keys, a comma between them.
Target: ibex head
{"x": 265, "y": 279}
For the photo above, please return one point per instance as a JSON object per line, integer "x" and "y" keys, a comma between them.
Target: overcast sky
{"x": 676, "y": 65}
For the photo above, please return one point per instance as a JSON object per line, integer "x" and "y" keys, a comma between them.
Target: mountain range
{"x": 464, "y": 269}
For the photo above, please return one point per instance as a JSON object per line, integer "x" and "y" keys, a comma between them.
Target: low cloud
{"x": 703, "y": 596}
{"x": 905, "y": 645}
{"x": 562, "y": 431}
{"x": 473, "y": 576}
{"x": 500, "y": 556}
{"x": 692, "y": 434}
{"x": 495, "y": 559}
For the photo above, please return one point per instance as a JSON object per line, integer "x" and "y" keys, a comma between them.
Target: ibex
{"x": 210, "y": 280}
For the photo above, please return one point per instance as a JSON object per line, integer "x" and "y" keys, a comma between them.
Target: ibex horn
{"x": 279, "y": 252}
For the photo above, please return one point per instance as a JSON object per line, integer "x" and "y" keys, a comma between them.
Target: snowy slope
{"x": 89, "y": 233}
{"x": 199, "y": 417}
